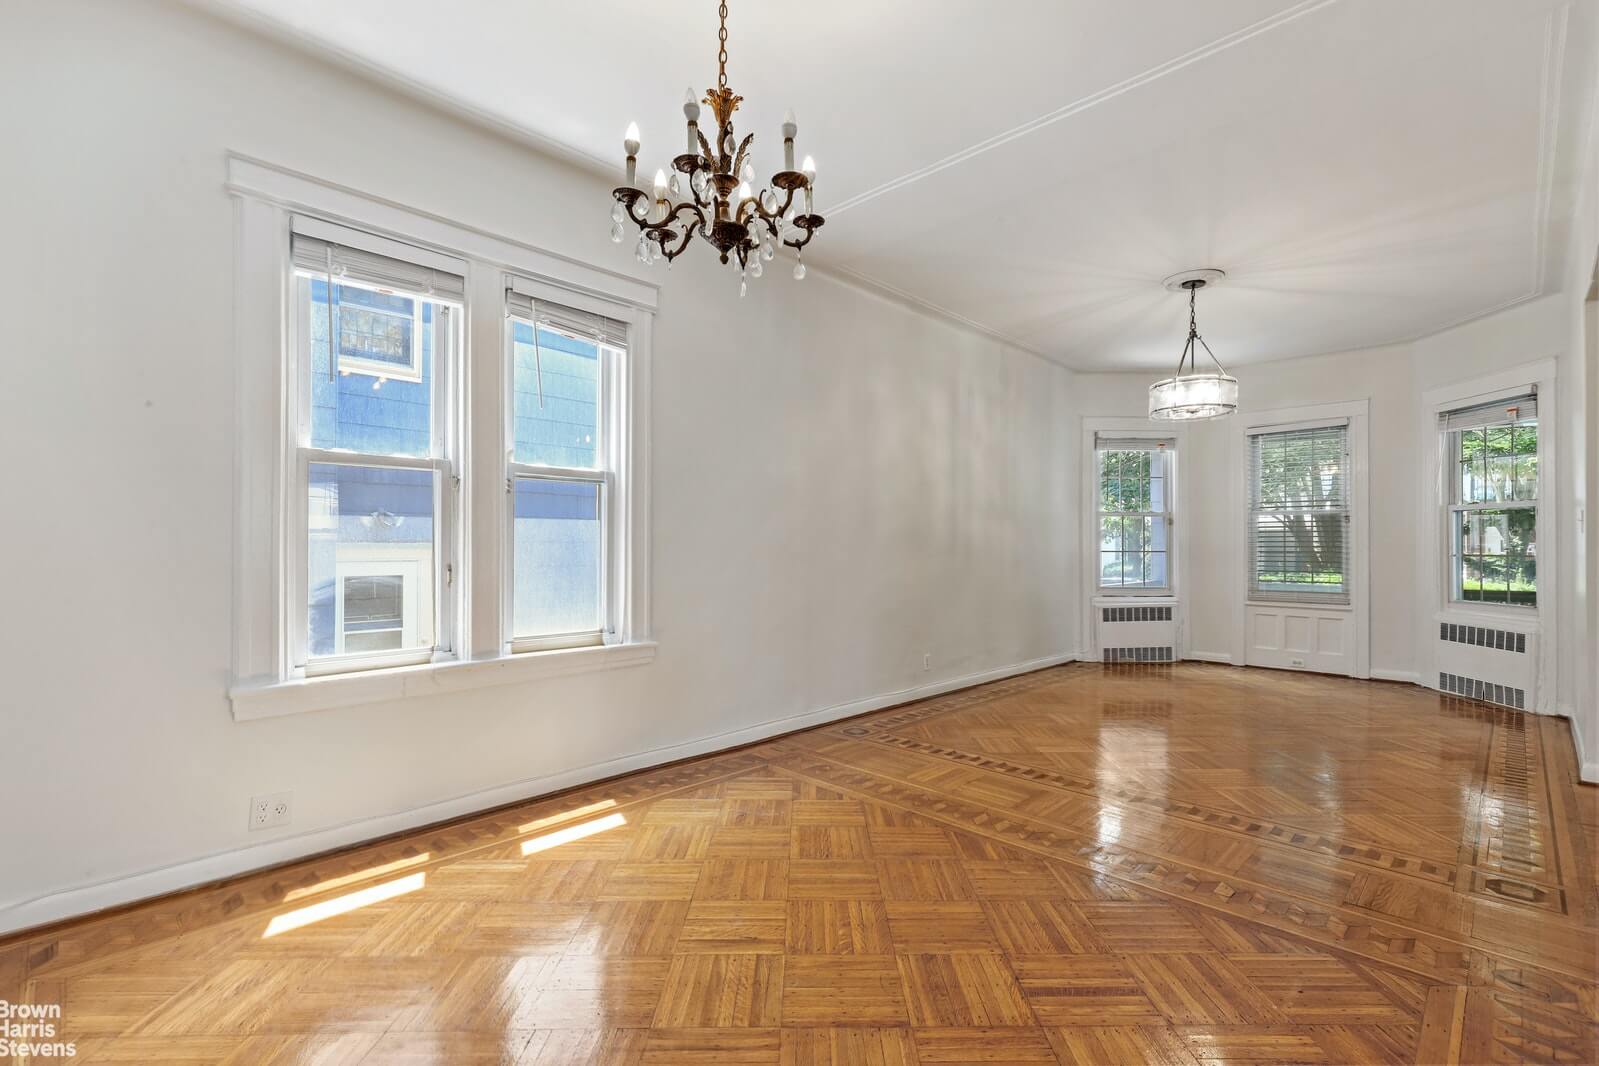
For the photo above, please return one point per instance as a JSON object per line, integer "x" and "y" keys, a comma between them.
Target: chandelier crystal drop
{"x": 744, "y": 226}
{"x": 1195, "y": 395}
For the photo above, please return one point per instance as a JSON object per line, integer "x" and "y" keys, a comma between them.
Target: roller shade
{"x": 580, "y": 325}
{"x": 1299, "y": 539}
{"x": 320, "y": 248}
{"x": 1496, "y": 413}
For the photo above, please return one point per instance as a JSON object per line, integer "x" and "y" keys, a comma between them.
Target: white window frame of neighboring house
{"x": 608, "y": 474}
{"x": 1162, "y": 453}
{"x": 412, "y": 604}
{"x": 410, "y": 371}
{"x": 1455, "y": 508}
{"x": 472, "y": 517}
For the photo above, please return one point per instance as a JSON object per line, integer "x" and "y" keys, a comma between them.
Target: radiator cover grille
{"x": 1135, "y": 614}
{"x": 1137, "y": 655}
{"x": 1481, "y": 637}
{"x": 1486, "y": 691}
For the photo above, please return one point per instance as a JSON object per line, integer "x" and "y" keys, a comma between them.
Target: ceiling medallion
{"x": 1195, "y": 395}
{"x": 720, "y": 207}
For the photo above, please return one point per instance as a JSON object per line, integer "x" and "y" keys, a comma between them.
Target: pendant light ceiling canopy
{"x": 1194, "y": 395}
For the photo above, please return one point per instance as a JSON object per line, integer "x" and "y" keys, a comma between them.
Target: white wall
{"x": 840, "y": 484}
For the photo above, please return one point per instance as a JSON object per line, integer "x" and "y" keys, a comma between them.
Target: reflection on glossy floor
{"x": 1090, "y": 864}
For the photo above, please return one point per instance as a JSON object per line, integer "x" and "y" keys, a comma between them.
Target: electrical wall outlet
{"x": 270, "y": 810}
{"x": 927, "y": 661}
{"x": 1296, "y": 662}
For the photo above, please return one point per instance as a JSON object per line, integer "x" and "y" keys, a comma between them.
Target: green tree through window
{"x": 1494, "y": 509}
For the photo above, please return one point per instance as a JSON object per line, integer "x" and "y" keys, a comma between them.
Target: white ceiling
{"x": 1366, "y": 171}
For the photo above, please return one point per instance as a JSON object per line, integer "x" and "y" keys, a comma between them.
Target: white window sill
{"x": 1517, "y": 619}
{"x": 1152, "y": 598}
{"x": 252, "y": 701}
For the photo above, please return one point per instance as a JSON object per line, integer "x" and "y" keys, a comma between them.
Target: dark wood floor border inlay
{"x": 1275, "y": 832}
{"x": 1391, "y": 943}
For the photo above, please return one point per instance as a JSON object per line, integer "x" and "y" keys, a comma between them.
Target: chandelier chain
{"x": 721, "y": 51}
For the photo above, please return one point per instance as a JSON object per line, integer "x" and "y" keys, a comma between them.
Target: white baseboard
{"x": 1409, "y": 677}
{"x": 1587, "y": 760}
{"x": 1209, "y": 657}
{"x": 86, "y": 899}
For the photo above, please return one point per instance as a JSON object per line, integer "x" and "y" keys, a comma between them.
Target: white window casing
{"x": 293, "y": 227}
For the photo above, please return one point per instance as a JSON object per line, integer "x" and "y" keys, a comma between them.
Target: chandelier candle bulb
{"x": 691, "y": 111}
{"x": 630, "y": 146}
{"x": 789, "y": 130}
{"x": 809, "y": 170}
{"x": 660, "y": 194}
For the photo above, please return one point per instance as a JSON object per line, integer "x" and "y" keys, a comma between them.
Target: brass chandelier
{"x": 719, "y": 206}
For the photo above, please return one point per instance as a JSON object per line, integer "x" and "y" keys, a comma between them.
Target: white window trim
{"x": 1359, "y": 605}
{"x": 1093, "y": 597}
{"x": 1434, "y": 580}
{"x": 264, "y": 679}
{"x": 615, "y": 471}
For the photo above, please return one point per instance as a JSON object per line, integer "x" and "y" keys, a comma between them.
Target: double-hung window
{"x": 442, "y": 480}
{"x": 1135, "y": 514}
{"x": 375, "y": 348}
{"x": 1299, "y": 516}
{"x": 1492, "y": 471}
{"x": 564, "y": 439}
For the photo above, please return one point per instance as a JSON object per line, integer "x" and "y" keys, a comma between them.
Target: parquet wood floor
{"x": 1180, "y": 864}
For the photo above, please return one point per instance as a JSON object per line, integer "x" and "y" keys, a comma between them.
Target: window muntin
{"x": 1134, "y": 503}
{"x": 566, "y": 367}
{"x": 375, "y": 470}
{"x": 1299, "y": 514}
{"x": 1493, "y": 503}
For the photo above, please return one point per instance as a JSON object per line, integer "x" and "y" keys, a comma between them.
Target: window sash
{"x": 447, "y": 354}
{"x": 1457, "y": 556}
{"x": 1454, "y": 444}
{"x": 611, "y": 336}
{"x": 1303, "y": 449}
{"x": 603, "y": 482}
{"x": 1160, "y": 460}
{"x": 1517, "y": 410}
{"x": 442, "y": 576}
